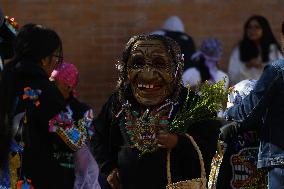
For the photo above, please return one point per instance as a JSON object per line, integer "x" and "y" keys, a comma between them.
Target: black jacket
{"x": 239, "y": 165}
{"x": 149, "y": 170}
{"x": 38, "y": 162}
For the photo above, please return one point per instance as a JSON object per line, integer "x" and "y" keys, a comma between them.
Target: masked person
{"x": 36, "y": 112}
{"x": 265, "y": 103}
{"x": 137, "y": 140}
{"x": 81, "y": 163}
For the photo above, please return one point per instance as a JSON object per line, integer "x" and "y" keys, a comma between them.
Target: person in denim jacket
{"x": 266, "y": 103}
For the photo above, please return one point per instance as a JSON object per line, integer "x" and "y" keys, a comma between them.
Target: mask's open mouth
{"x": 149, "y": 87}
{"x": 244, "y": 168}
{"x": 149, "y": 90}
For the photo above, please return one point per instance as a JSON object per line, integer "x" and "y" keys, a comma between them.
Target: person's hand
{"x": 112, "y": 179}
{"x": 167, "y": 140}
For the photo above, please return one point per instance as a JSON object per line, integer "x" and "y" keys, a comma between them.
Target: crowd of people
{"x": 164, "y": 126}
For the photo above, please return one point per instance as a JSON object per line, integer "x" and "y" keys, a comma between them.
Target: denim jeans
{"x": 276, "y": 178}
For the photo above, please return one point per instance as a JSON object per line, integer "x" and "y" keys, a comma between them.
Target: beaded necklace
{"x": 142, "y": 128}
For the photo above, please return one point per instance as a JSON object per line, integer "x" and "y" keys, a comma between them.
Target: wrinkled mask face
{"x": 150, "y": 72}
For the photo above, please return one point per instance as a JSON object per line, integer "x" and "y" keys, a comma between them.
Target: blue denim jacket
{"x": 265, "y": 103}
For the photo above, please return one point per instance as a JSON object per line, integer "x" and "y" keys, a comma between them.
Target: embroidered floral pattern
{"x": 63, "y": 124}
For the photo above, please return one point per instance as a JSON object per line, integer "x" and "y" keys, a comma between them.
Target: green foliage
{"x": 204, "y": 105}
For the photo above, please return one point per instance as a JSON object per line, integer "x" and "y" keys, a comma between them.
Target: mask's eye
{"x": 159, "y": 62}
{"x": 137, "y": 61}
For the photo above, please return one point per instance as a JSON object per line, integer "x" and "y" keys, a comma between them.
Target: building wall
{"x": 95, "y": 31}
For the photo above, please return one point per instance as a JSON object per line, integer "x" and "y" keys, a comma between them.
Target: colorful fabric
{"x": 239, "y": 166}
{"x": 142, "y": 128}
{"x": 87, "y": 122}
{"x": 63, "y": 124}
{"x": 25, "y": 184}
{"x": 10, "y": 175}
{"x": 32, "y": 94}
{"x": 67, "y": 74}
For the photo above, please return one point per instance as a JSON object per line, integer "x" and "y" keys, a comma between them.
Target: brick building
{"x": 94, "y": 31}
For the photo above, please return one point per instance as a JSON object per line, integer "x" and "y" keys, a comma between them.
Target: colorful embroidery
{"x": 87, "y": 122}
{"x": 63, "y": 119}
{"x": 32, "y": 95}
{"x": 63, "y": 124}
{"x": 25, "y": 184}
{"x": 142, "y": 131}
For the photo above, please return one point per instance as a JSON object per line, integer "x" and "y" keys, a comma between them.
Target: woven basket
{"x": 198, "y": 183}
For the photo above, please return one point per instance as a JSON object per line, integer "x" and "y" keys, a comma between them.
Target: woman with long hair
{"x": 29, "y": 101}
{"x": 257, "y": 48}
{"x": 265, "y": 103}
